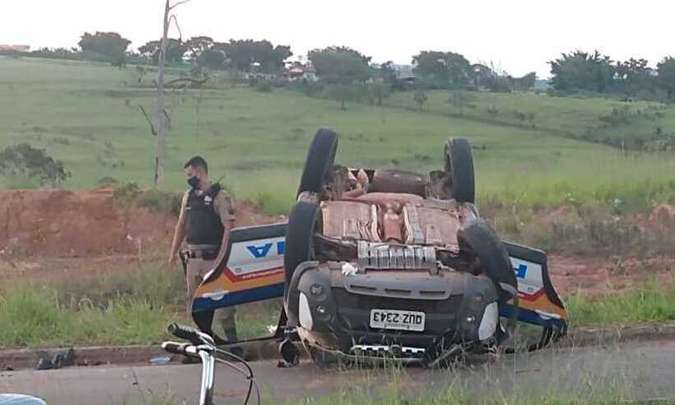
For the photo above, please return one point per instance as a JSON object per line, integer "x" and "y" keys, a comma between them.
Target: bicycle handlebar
{"x": 203, "y": 347}
{"x": 176, "y": 348}
{"x": 185, "y": 332}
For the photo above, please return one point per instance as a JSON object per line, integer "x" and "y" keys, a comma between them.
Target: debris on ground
{"x": 62, "y": 358}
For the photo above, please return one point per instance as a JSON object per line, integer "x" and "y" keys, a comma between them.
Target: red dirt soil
{"x": 56, "y": 234}
{"x": 60, "y": 223}
{"x": 594, "y": 276}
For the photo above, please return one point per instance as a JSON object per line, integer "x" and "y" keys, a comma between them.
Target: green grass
{"x": 587, "y": 118}
{"x": 35, "y": 318}
{"x": 135, "y": 309}
{"x": 650, "y": 303}
{"x": 87, "y": 115}
{"x": 130, "y": 307}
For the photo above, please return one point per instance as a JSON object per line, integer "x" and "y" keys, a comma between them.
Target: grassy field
{"x": 581, "y": 117}
{"x": 87, "y": 115}
{"x": 134, "y": 306}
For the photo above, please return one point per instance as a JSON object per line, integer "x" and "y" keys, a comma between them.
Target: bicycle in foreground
{"x": 202, "y": 346}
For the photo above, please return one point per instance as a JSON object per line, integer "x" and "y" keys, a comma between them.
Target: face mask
{"x": 193, "y": 182}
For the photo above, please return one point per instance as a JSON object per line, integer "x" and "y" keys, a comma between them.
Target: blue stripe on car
{"x": 239, "y": 297}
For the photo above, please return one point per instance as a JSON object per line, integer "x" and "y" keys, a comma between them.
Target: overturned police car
{"x": 383, "y": 263}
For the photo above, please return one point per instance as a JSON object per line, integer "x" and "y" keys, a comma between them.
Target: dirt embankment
{"x": 56, "y": 234}
{"x": 86, "y": 224}
{"x": 74, "y": 224}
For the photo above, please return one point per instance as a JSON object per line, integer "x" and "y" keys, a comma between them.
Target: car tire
{"x": 481, "y": 239}
{"x": 319, "y": 161}
{"x": 303, "y": 221}
{"x": 460, "y": 171}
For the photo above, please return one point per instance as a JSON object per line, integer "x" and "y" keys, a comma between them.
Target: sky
{"x": 517, "y": 36}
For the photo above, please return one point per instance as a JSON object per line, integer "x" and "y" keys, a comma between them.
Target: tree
{"x": 212, "y": 59}
{"x": 23, "y": 160}
{"x": 109, "y": 44}
{"x": 666, "y": 76}
{"x": 275, "y": 62}
{"x": 160, "y": 126}
{"x": 446, "y": 70}
{"x": 582, "y": 71}
{"x": 175, "y": 49}
{"x": 492, "y": 78}
{"x": 244, "y": 54}
{"x": 198, "y": 45}
{"x": 340, "y": 67}
{"x": 387, "y": 72}
{"x": 481, "y": 75}
{"x": 632, "y": 76}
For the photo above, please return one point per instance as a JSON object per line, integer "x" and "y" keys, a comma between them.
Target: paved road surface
{"x": 646, "y": 369}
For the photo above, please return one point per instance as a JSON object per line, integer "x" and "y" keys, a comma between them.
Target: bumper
{"x": 335, "y": 316}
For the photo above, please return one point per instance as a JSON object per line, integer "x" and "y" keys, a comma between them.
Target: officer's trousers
{"x": 223, "y": 318}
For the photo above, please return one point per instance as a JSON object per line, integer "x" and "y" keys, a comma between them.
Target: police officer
{"x": 205, "y": 220}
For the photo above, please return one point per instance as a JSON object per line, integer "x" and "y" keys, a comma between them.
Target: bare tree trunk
{"x": 160, "y": 103}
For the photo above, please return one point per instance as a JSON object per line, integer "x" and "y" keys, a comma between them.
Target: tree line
{"x": 345, "y": 69}
{"x": 595, "y": 72}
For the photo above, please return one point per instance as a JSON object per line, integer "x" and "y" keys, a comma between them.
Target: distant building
{"x": 14, "y": 48}
{"x": 298, "y": 71}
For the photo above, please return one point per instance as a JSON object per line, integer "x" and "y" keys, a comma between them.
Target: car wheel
{"x": 483, "y": 241}
{"x": 319, "y": 161}
{"x": 303, "y": 221}
{"x": 459, "y": 169}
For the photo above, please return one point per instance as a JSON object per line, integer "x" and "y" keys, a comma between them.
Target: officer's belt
{"x": 205, "y": 253}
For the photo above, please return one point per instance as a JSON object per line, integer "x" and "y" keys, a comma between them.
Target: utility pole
{"x": 161, "y": 115}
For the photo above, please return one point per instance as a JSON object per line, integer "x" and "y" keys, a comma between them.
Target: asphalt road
{"x": 646, "y": 370}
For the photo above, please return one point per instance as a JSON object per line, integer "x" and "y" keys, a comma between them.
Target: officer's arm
{"x": 179, "y": 232}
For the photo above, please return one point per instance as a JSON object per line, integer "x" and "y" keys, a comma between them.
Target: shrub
{"x": 161, "y": 201}
{"x": 24, "y": 161}
{"x": 107, "y": 181}
{"x": 165, "y": 202}
{"x": 272, "y": 203}
{"x": 126, "y": 193}
{"x": 618, "y": 116}
{"x": 263, "y": 86}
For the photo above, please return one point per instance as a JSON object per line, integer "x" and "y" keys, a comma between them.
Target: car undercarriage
{"x": 384, "y": 263}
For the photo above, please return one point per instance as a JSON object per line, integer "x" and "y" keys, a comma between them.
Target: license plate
{"x": 399, "y": 320}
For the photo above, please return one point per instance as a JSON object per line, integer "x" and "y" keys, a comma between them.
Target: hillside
{"x": 605, "y": 120}
{"x": 87, "y": 115}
